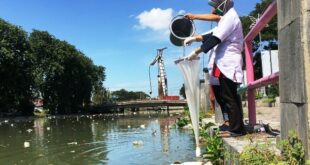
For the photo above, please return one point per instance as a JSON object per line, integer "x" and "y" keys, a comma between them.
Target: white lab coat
{"x": 212, "y": 80}
{"x": 228, "y": 53}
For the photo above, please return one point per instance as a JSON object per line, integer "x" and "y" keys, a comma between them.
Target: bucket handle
{"x": 183, "y": 16}
{"x": 175, "y": 17}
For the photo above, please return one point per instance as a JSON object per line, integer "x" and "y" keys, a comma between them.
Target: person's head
{"x": 220, "y": 7}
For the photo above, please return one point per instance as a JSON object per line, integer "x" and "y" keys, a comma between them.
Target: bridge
{"x": 137, "y": 104}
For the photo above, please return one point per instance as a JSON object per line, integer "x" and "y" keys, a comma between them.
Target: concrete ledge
{"x": 235, "y": 145}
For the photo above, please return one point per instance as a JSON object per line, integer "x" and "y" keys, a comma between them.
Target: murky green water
{"x": 98, "y": 139}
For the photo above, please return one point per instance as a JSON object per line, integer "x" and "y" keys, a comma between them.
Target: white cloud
{"x": 181, "y": 12}
{"x": 156, "y": 24}
{"x": 156, "y": 19}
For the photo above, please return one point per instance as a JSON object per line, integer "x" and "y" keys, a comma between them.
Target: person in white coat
{"x": 215, "y": 88}
{"x": 228, "y": 37}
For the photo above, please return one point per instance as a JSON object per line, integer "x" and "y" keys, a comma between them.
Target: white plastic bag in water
{"x": 190, "y": 72}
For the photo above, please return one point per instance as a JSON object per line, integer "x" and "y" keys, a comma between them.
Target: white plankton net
{"x": 190, "y": 72}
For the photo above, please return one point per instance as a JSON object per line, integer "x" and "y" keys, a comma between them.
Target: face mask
{"x": 218, "y": 10}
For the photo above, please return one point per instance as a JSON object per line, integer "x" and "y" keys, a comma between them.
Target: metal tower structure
{"x": 162, "y": 78}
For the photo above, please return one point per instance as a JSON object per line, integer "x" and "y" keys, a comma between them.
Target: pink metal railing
{"x": 273, "y": 78}
{"x": 270, "y": 12}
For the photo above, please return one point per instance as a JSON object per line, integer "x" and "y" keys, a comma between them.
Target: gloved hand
{"x": 188, "y": 41}
{"x": 191, "y": 56}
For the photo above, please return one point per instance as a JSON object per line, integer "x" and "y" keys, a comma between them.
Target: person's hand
{"x": 192, "y": 55}
{"x": 190, "y": 16}
{"x": 188, "y": 41}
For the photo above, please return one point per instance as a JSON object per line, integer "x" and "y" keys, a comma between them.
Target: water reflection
{"x": 95, "y": 139}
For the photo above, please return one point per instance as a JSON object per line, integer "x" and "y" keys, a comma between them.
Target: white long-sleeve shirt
{"x": 228, "y": 53}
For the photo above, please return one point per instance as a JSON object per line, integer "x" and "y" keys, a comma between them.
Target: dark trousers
{"x": 218, "y": 97}
{"x": 233, "y": 103}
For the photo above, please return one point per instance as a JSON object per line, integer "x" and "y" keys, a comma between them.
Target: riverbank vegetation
{"x": 289, "y": 151}
{"x": 38, "y": 65}
{"x": 124, "y": 95}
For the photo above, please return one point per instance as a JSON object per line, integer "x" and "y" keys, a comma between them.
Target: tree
{"x": 48, "y": 60}
{"x": 182, "y": 92}
{"x": 124, "y": 95}
{"x": 82, "y": 75}
{"x": 16, "y": 70}
{"x": 65, "y": 76}
{"x": 270, "y": 32}
{"x": 42, "y": 65}
{"x": 100, "y": 96}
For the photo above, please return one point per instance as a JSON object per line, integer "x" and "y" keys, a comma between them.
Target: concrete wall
{"x": 294, "y": 63}
{"x": 306, "y": 45}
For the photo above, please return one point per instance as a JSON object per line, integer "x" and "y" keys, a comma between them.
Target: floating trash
{"x": 129, "y": 126}
{"x": 188, "y": 126}
{"x": 154, "y": 132}
{"x": 137, "y": 142}
{"x": 142, "y": 126}
{"x": 6, "y": 121}
{"x": 72, "y": 143}
{"x": 29, "y": 130}
{"x": 48, "y": 128}
{"x": 26, "y": 144}
{"x": 12, "y": 125}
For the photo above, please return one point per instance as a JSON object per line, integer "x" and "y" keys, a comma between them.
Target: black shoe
{"x": 224, "y": 127}
{"x": 242, "y": 132}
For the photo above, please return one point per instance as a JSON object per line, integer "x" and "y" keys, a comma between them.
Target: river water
{"x": 133, "y": 139}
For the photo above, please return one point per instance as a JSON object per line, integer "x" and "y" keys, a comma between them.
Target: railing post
{"x": 250, "y": 78}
